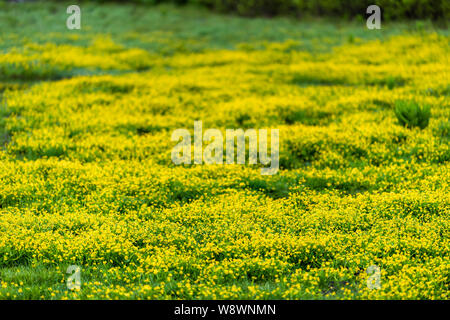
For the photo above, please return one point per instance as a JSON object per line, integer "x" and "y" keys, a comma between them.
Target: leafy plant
{"x": 410, "y": 114}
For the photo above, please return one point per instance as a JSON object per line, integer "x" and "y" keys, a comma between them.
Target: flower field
{"x": 86, "y": 176}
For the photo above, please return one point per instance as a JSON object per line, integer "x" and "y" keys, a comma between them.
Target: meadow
{"x": 86, "y": 176}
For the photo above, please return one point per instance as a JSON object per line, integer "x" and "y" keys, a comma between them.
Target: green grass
{"x": 410, "y": 114}
{"x": 168, "y": 29}
{"x": 165, "y": 31}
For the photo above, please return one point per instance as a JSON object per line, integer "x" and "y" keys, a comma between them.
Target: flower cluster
{"x": 86, "y": 175}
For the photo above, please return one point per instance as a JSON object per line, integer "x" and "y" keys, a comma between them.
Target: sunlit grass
{"x": 86, "y": 175}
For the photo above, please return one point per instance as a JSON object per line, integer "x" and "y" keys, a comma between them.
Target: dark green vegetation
{"x": 410, "y": 114}
{"x": 393, "y": 9}
{"x": 167, "y": 29}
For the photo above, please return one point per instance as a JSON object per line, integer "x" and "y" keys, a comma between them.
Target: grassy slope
{"x": 112, "y": 202}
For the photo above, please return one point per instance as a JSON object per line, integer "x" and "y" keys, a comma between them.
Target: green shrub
{"x": 410, "y": 114}
{"x": 392, "y": 9}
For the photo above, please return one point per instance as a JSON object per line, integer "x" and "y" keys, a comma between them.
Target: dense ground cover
{"x": 86, "y": 175}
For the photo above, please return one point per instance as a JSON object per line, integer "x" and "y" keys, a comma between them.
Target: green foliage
{"x": 392, "y": 9}
{"x": 410, "y": 114}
